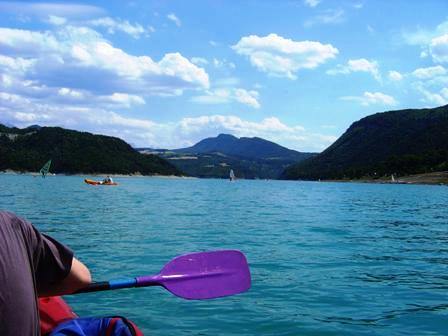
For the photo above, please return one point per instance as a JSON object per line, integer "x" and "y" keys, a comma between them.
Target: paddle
{"x": 194, "y": 276}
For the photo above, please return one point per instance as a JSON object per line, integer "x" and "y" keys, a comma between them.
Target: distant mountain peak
{"x": 224, "y": 136}
{"x": 34, "y": 127}
{"x": 249, "y": 148}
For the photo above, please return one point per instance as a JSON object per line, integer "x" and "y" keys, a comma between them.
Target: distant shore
{"x": 435, "y": 178}
{"x": 13, "y": 172}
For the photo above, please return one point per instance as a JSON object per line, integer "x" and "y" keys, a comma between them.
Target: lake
{"x": 326, "y": 258}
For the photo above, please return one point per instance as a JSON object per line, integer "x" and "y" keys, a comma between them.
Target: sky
{"x": 167, "y": 74}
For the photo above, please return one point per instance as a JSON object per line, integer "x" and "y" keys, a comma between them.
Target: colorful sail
{"x": 44, "y": 170}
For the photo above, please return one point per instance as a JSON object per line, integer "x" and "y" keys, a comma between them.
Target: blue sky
{"x": 167, "y": 74}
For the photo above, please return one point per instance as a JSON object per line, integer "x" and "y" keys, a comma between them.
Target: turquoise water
{"x": 326, "y": 258}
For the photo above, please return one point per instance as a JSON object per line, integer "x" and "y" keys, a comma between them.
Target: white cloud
{"x": 56, "y": 20}
{"x": 439, "y": 48}
{"x": 114, "y": 25}
{"x": 433, "y": 42}
{"x": 434, "y": 98}
{"x": 422, "y": 36}
{"x": 218, "y": 96}
{"x": 70, "y": 93}
{"x": 223, "y": 63}
{"x": 46, "y": 9}
{"x": 174, "y": 18}
{"x": 71, "y": 57}
{"x": 395, "y": 76}
{"x": 282, "y": 57}
{"x": 228, "y": 95}
{"x": 330, "y": 16}
{"x": 26, "y": 43}
{"x": 124, "y": 99}
{"x": 249, "y": 98}
{"x": 199, "y": 60}
{"x": 358, "y": 65}
{"x": 311, "y": 3}
{"x": 372, "y": 98}
{"x": 429, "y": 72}
{"x": 141, "y": 132}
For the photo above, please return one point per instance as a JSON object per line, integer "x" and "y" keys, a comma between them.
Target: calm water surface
{"x": 326, "y": 258}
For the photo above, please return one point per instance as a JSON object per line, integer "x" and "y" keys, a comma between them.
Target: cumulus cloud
{"x": 142, "y": 132}
{"x": 395, "y": 76}
{"x": 432, "y": 95}
{"x": 282, "y": 57}
{"x": 311, "y": 3}
{"x": 429, "y": 72}
{"x": 330, "y": 16}
{"x": 226, "y": 95}
{"x": 423, "y": 37}
{"x": 199, "y": 61}
{"x": 56, "y": 20}
{"x": 114, "y": 25}
{"x": 436, "y": 98}
{"x": 71, "y": 57}
{"x": 223, "y": 63}
{"x": 249, "y": 98}
{"x": 174, "y": 18}
{"x": 433, "y": 42}
{"x": 357, "y": 65}
{"x": 372, "y": 98}
{"x": 439, "y": 48}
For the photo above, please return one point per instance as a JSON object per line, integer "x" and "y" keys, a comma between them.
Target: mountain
{"x": 399, "y": 142}
{"x": 248, "y": 148}
{"x": 74, "y": 152}
{"x": 250, "y": 158}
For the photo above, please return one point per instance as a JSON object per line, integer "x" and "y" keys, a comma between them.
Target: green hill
{"x": 250, "y": 158}
{"x": 74, "y": 152}
{"x": 397, "y": 142}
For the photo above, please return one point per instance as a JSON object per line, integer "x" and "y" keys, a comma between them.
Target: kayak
{"x": 53, "y": 311}
{"x": 57, "y": 317}
{"x": 92, "y": 182}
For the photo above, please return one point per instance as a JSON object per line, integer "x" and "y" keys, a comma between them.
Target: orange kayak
{"x": 92, "y": 182}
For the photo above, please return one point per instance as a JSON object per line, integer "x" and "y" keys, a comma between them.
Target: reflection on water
{"x": 326, "y": 258}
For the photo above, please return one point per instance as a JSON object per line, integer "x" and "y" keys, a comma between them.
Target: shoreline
{"x": 13, "y": 172}
{"x": 435, "y": 178}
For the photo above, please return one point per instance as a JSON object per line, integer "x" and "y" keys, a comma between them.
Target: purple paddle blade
{"x": 203, "y": 275}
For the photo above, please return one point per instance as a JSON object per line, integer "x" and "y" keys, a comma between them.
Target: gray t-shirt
{"x": 29, "y": 262}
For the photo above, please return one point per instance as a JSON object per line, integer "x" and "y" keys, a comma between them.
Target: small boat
{"x": 93, "y": 182}
{"x": 45, "y": 169}
{"x": 232, "y": 175}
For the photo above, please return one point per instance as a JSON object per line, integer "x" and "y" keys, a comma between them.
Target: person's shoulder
{"x": 10, "y": 218}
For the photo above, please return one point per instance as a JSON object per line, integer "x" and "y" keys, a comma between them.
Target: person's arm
{"x": 78, "y": 277}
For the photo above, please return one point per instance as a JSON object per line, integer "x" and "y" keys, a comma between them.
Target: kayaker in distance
{"x": 31, "y": 265}
{"x": 108, "y": 180}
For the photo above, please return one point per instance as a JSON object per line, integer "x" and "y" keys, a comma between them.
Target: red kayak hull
{"x": 52, "y": 311}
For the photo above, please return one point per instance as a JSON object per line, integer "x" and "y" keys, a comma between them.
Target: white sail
{"x": 232, "y": 175}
